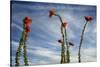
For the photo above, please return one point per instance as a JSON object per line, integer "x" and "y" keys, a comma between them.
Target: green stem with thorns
{"x": 67, "y": 45}
{"x": 81, "y": 40}
{"x": 19, "y": 50}
{"x": 25, "y": 52}
{"x": 63, "y": 44}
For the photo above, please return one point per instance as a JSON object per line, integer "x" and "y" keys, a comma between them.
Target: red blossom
{"x": 65, "y": 24}
{"x": 88, "y": 18}
{"x": 27, "y": 20}
{"x": 52, "y": 13}
{"x": 27, "y": 29}
{"x": 60, "y": 41}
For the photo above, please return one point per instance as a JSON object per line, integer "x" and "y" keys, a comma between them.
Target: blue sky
{"x": 42, "y": 45}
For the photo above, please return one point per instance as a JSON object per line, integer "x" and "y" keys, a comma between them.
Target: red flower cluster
{"x": 60, "y": 41}
{"x": 52, "y": 13}
{"x": 27, "y": 29}
{"x": 27, "y": 21}
{"x": 65, "y": 24}
{"x": 88, "y": 18}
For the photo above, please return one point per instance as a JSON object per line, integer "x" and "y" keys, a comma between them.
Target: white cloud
{"x": 17, "y": 26}
{"x": 89, "y": 51}
{"x": 95, "y": 30}
{"x": 87, "y": 55}
{"x": 52, "y": 56}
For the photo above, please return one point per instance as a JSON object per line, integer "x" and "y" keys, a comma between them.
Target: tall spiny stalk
{"x": 64, "y": 39}
{"x": 19, "y": 49}
{"x": 62, "y": 47}
{"x": 81, "y": 40}
{"x": 67, "y": 45}
{"x": 63, "y": 60}
{"x": 22, "y": 43}
{"x": 87, "y": 18}
{"x": 25, "y": 51}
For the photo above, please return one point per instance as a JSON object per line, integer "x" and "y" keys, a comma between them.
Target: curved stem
{"x": 60, "y": 18}
{"x": 63, "y": 46}
{"x": 81, "y": 40}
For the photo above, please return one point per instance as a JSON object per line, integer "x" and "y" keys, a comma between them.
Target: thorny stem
{"x": 25, "y": 51}
{"x": 81, "y": 40}
{"x": 60, "y": 18}
{"x": 19, "y": 50}
{"x": 63, "y": 46}
{"x": 67, "y": 45}
{"x": 22, "y": 43}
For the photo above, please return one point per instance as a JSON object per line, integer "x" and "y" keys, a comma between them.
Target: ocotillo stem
{"x": 81, "y": 40}
{"x": 19, "y": 50}
{"x": 25, "y": 52}
{"x": 67, "y": 52}
{"x": 63, "y": 46}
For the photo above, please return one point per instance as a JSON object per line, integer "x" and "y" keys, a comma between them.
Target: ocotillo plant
{"x": 65, "y": 24}
{"x": 26, "y": 29}
{"x": 68, "y": 44}
{"x": 27, "y": 22}
{"x": 64, "y": 32}
{"x": 53, "y": 13}
{"x": 64, "y": 37}
{"x": 88, "y": 19}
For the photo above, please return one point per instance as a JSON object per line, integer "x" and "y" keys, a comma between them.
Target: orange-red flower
{"x": 60, "y": 41}
{"x": 65, "y": 24}
{"x": 52, "y": 13}
{"x": 88, "y": 18}
{"x": 27, "y": 29}
{"x": 27, "y": 20}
